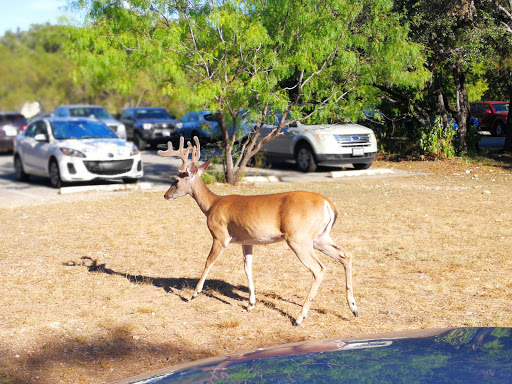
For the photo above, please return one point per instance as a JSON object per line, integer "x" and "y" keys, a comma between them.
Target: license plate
{"x": 166, "y": 132}
{"x": 357, "y": 152}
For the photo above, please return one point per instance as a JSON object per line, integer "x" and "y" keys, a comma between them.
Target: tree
{"x": 502, "y": 12}
{"x": 255, "y": 60}
{"x": 34, "y": 67}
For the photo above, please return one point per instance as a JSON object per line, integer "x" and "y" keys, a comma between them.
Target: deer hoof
{"x": 250, "y": 307}
{"x": 299, "y": 320}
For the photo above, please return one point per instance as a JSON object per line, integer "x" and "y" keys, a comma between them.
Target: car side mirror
{"x": 40, "y": 137}
{"x": 173, "y": 117}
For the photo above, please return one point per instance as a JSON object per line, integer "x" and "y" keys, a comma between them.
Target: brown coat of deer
{"x": 302, "y": 219}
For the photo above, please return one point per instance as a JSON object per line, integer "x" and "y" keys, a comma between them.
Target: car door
{"x": 488, "y": 116}
{"x": 128, "y": 119}
{"x": 35, "y": 154}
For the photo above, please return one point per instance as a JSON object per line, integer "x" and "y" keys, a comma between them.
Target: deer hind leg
{"x": 306, "y": 255}
{"x": 325, "y": 245}
{"x": 215, "y": 251}
{"x": 247, "y": 250}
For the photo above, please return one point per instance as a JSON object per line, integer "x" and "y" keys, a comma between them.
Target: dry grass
{"x": 97, "y": 289}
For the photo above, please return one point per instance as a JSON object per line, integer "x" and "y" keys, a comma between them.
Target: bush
{"x": 436, "y": 141}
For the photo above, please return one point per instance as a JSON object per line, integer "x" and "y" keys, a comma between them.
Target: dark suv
{"x": 149, "y": 125}
{"x": 11, "y": 124}
{"x": 491, "y": 115}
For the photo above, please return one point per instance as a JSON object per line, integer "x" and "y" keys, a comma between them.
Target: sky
{"x": 21, "y": 14}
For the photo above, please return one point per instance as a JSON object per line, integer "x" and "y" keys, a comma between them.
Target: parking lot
{"x": 158, "y": 171}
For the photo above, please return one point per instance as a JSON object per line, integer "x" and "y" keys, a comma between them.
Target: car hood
{"x": 110, "y": 121}
{"x": 110, "y": 148}
{"x": 334, "y": 129}
{"x": 461, "y": 355}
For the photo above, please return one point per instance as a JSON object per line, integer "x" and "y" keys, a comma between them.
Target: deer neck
{"x": 203, "y": 196}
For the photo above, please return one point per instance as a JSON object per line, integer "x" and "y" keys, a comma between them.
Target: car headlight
{"x": 179, "y": 125}
{"x": 147, "y": 126}
{"x": 134, "y": 150}
{"x": 326, "y": 138}
{"x": 72, "y": 152}
{"x": 373, "y": 138}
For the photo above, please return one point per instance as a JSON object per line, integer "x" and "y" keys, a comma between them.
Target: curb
{"x": 107, "y": 188}
{"x": 366, "y": 172}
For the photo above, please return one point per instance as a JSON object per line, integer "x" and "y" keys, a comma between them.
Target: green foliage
{"x": 437, "y": 140}
{"x": 34, "y": 67}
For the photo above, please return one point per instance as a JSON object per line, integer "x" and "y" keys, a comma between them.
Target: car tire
{"x": 130, "y": 180}
{"x": 20, "y": 172}
{"x": 499, "y": 129}
{"x": 362, "y": 165}
{"x": 139, "y": 142}
{"x": 305, "y": 159}
{"x": 54, "y": 171}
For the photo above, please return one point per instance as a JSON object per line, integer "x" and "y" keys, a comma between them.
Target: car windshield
{"x": 81, "y": 129}
{"x": 500, "y": 107}
{"x": 98, "y": 113}
{"x": 15, "y": 120}
{"x": 152, "y": 114}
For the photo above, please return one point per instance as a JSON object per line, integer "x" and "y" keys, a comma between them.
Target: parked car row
{"x": 84, "y": 142}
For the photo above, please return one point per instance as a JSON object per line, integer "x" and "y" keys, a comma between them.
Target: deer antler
{"x": 196, "y": 151}
{"x": 181, "y": 152}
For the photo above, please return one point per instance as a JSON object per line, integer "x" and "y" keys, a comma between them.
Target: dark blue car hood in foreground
{"x": 462, "y": 355}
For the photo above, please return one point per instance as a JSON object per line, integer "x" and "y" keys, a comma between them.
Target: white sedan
{"x": 75, "y": 149}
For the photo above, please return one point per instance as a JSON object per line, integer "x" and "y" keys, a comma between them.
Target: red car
{"x": 491, "y": 115}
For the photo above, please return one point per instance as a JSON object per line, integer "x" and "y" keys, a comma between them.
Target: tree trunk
{"x": 508, "y": 139}
{"x": 462, "y": 105}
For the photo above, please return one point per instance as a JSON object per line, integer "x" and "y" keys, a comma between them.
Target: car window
{"x": 60, "y": 112}
{"x": 14, "y": 119}
{"x": 31, "y": 129}
{"x": 487, "y": 107}
{"x": 81, "y": 129}
{"x": 500, "y": 107}
{"x": 476, "y": 108}
{"x": 127, "y": 114}
{"x": 98, "y": 113}
{"x": 41, "y": 128}
{"x": 152, "y": 114}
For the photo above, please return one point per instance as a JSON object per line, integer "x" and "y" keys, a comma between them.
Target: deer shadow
{"x": 213, "y": 288}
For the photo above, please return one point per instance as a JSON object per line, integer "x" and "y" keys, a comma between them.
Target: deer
{"x": 302, "y": 219}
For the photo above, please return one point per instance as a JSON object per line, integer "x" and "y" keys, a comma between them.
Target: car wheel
{"x": 499, "y": 129}
{"x": 305, "y": 159}
{"x": 20, "y": 172}
{"x": 130, "y": 180}
{"x": 362, "y": 165}
{"x": 139, "y": 142}
{"x": 55, "y": 179}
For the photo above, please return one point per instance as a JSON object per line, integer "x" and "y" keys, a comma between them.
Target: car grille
{"x": 352, "y": 141}
{"x": 112, "y": 167}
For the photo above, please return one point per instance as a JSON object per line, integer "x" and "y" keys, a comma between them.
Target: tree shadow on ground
{"x": 99, "y": 358}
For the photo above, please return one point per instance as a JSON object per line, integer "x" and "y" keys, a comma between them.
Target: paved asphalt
{"x": 158, "y": 171}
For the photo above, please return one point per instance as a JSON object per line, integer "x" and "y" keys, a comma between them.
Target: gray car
{"x": 92, "y": 111}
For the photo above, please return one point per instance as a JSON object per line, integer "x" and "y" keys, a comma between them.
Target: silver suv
{"x": 92, "y": 111}
{"x": 323, "y": 144}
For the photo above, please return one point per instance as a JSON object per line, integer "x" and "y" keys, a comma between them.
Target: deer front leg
{"x": 215, "y": 252}
{"x": 247, "y": 250}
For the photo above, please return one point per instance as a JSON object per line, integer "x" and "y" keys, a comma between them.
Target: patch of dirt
{"x": 97, "y": 289}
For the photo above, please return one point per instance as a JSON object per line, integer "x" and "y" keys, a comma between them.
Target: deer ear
{"x": 203, "y": 167}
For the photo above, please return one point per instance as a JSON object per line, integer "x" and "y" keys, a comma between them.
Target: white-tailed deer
{"x": 302, "y": 219}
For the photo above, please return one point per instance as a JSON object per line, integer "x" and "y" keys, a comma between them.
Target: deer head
{"x": 187, "y": 176}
